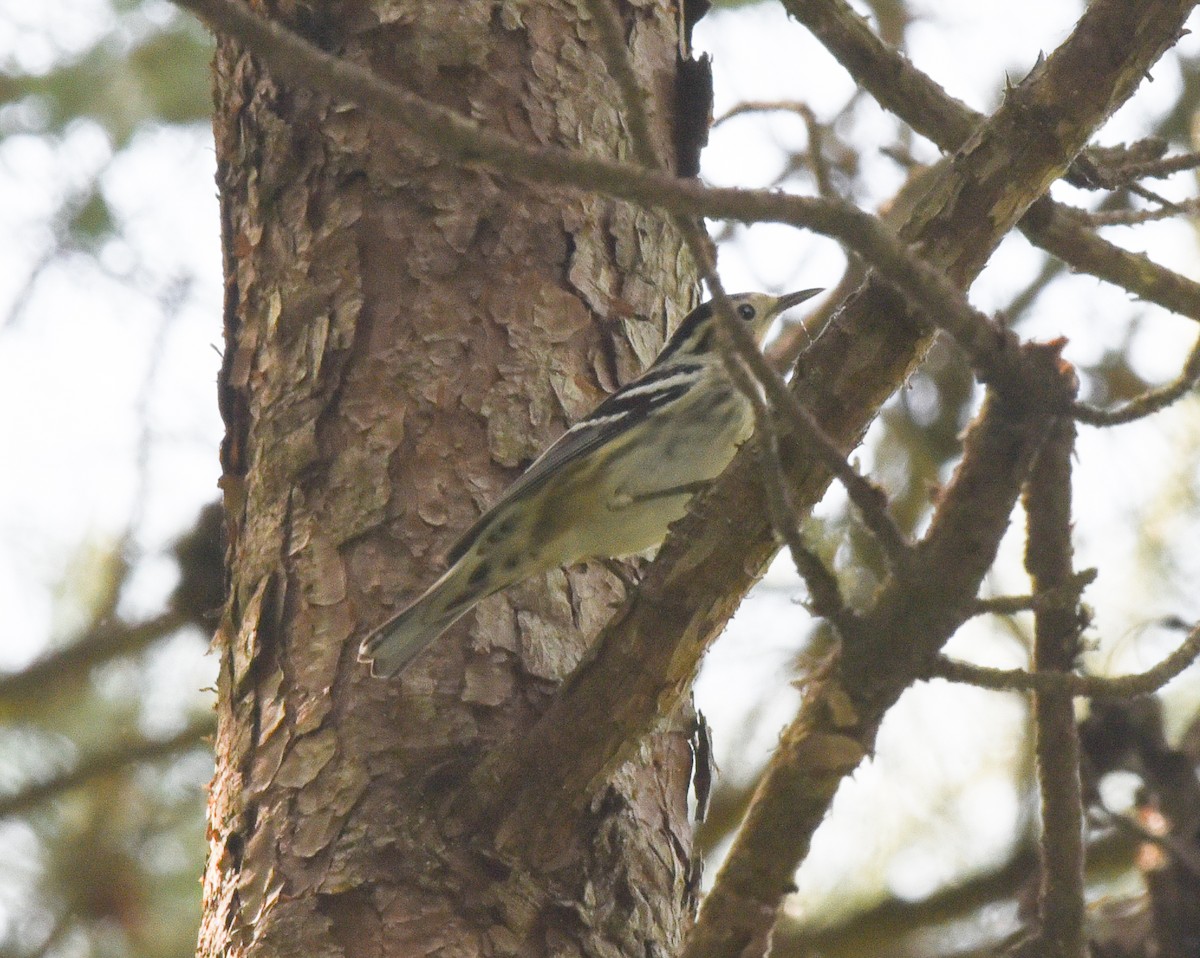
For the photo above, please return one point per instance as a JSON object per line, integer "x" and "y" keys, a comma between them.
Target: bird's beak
{"x": 788, "y": 300}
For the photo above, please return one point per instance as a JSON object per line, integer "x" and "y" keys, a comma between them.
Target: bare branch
{"x": 1149, "y": 402}
{"x": 1163, "y": 167}
{"x": 1048, "y": 559}
{"x": 763, "y": 106}
{"x": 1065, "y": 597}
{"x": 839, "y": 717}
{"x": 825, "y": 597}
{"x": 936, "y": 297}
{"x": 917, "y": 99}
{"x": 1137, "y": 217}
{"x": 1089, "y": 686}
{"x": 816, "y": 134}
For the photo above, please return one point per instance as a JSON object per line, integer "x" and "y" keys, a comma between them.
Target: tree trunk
{"x": 402, "y": 336}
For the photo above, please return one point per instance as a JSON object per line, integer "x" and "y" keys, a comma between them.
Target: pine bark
{"x": 401, "y": 336}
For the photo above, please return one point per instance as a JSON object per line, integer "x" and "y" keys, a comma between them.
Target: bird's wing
{"x": 658, "y": 385}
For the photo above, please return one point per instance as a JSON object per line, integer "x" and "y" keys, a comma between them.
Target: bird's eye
{"x": 746, "y": 311}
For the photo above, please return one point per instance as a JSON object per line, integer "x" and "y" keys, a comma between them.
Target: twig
{"x": 762, "y": 106}
{"x": 1088, "y": 686}
{"x": 825, "y": 596}
{"x": 816, "y": 152}
{"x": 1149, "y": 402}
{"x": 1160, "y": 168}
{"x": 1060, "y": 231}
{"x": 868, "y": 498}
{"x": 1137, "y": 217}
{"x": 1066, "y": 596}
{"x": 1154, "y": 197}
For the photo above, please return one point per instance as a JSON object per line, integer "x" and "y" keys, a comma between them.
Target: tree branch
{"x": 459, "y": 139}
{"x": 646, "y": 657}
{"x": 1053, "y": 598}
{"x": 1090, "y": 686}
{"x": 1149, "y": 402}
{"x": 901, "y": 88}
{"x": 911, "y": 619}
{"x": 1048, "y": 559}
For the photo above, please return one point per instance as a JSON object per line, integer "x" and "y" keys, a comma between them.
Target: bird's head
{"x": 697, "y": 333}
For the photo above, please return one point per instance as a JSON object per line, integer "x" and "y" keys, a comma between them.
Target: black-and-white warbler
{"x": 608, "y": 487}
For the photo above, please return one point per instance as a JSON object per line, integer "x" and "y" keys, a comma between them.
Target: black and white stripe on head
{"x": 694, "y": 334}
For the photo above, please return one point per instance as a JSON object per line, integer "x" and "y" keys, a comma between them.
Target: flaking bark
{"x": 402, "y": 335}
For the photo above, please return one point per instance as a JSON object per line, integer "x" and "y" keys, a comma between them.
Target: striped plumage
{"x": 609, "y": 486}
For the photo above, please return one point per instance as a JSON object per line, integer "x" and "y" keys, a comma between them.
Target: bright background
{"x": 110, "y": 304}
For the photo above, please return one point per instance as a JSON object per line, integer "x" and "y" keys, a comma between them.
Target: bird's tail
{"x": 391, "y": 646}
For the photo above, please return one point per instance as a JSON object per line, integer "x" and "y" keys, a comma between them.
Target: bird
{"x": 610, "y": 486}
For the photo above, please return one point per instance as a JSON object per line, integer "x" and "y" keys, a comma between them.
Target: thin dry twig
{"x": 1137, "y": 217}
{"x": 1160, "y": 168}
{"x": 825, "y": 596}
{"x": 1085, "y": 686}
{"x": 815, "y": 154}
{"x": 1149, "y": 402}
{"x": 1065, "y": 597}
{"x": 763, "y": 106}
